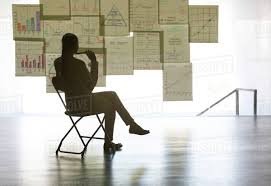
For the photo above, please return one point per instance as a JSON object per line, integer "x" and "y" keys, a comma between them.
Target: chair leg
{"x": 85, "y": 148}
{"x": 73, "y": 126}
{"x": 93, "y": 135}
{"x": 81, "y": 137}
{"x": 77, "y": 129}
{"x": 106, "y": 135}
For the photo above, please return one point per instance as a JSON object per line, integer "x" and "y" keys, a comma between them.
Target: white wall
{"x": 240, "y": 59}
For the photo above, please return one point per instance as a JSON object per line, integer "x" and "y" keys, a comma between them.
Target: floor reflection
{"x": 175, "y": 160}
{"x": 107, "y": 168}
{"x": 178, "y": 151}
{"x": 137, "y": 175}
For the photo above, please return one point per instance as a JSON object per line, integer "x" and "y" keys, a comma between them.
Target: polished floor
{"x": 194, "y": 151}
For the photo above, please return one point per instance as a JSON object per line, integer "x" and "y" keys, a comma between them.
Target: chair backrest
{"x": 59, "y": 86}
{"x": 58, "y": 83}
{"x": 74, "y": 105}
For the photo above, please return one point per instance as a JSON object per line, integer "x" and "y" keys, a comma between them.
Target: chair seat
{"x": 77, "y": 114}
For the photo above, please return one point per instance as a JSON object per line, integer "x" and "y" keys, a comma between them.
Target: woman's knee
{"x": 112, "y": 94}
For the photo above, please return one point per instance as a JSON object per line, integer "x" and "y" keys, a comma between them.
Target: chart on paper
{"x": 53, "y": 8}
{"x": 85, "y": 7}
{"x": 173, "y": 11}
{"x": 203, "y": 23}
{"x": 176, "y": 44}
{"x": 26, "y": 22}
{"x": 53, "y": 33}
{"x": 88, "y": 31}
{"x": 144, "y": 15}
{"x": 147, "y": 51}
{"x": 119, "y": 55}
{"x": 30, "y": 58}
{"x": 116, "y": 17}
{"x": 177, "y": 82}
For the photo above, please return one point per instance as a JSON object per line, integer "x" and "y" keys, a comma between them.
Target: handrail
{"x": 237, "y": 100}
{"x": 246, "y": 89}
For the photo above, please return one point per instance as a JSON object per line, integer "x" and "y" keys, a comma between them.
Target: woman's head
{"x": 69, "y": 43}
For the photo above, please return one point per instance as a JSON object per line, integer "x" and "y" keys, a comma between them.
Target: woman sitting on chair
{"x": 79, "y": 81}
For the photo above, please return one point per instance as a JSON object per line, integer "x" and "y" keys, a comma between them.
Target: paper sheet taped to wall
{"x": 177, "y": 82}
{"x": 30, "y": 58}
{"x": 52, "y": 9}
{"x": 119, "y": 55}
{"x": 53, "y": 33}
{"x": 116, "y": 17}
{"x": 88, "y": 31}
{"x": 173, "y": 11}
{"x": 203, "y": 23}
{"x": 144, "y": 15}
{"x": 27, "y": 23}
{"x": 176, "y": 44}
{"x": 86, "y": 28}
{"x": 85, "y": 7}
{"x": 147, "y": 51}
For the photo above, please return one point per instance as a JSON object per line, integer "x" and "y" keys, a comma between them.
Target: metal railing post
{"x": 237, "y": 102}
{"x": 255, "y": 102}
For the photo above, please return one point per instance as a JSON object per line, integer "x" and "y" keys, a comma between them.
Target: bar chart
{"x": 30, "y": 59}
{"x": 26, "y": 22}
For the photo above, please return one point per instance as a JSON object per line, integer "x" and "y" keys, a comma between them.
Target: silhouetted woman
{"x": 79, "y": 81}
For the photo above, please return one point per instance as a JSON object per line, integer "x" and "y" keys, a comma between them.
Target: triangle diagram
{"x": 114, "y": 18}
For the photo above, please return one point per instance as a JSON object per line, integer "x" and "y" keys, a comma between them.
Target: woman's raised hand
{"x": 91, "y": 55}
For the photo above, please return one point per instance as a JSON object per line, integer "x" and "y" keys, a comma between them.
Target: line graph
{"x": 203, "y": 23}
{"x": 177, "y": 82}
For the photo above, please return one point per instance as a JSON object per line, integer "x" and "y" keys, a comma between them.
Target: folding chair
{"x": 57, "y": 85}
